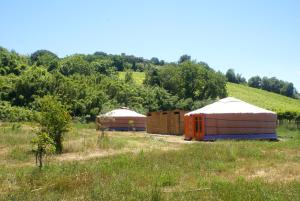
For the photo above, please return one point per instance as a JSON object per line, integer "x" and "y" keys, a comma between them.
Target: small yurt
{"x": 122, "y": 119}
{"x": 230, "y": 118}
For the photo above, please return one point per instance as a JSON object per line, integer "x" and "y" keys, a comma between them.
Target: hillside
{"x": 258, "y": 97}
{"x": 87, "y": 85}
{"x": 265, "y": 99}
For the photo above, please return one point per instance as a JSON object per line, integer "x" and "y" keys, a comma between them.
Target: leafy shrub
{"x": 14, "y": 113}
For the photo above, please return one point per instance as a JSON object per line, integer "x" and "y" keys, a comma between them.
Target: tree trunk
{"x": 36, "y": 158}
{"x": 40, "y": 160}
{"x": 58, "y": 144}
{"x": 39, "y": 156}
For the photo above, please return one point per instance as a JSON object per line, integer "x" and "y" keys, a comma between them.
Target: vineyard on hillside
{"x": 287, "y": 108}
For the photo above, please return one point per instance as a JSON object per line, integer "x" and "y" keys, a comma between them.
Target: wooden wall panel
{"x": 166, "y": 122}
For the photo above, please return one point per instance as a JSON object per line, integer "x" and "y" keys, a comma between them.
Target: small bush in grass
{"x": 54, "y": 119}
{"x": 42, "y": 144}
{"x": 166, "y": 179}
{"x": 14, "y": 113}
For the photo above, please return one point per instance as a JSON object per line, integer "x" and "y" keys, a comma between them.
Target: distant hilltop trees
{"x": 269, "y": 84}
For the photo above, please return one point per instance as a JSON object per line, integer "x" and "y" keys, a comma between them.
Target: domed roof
{"x": 123, "y": 112}
{"x": 229, "y": 105}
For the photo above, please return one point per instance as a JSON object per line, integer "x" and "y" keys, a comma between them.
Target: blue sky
{"x": 255, "y": 37}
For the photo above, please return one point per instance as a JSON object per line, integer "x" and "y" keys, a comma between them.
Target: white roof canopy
{"x": 122, "y": 112}
{"x": 229, "y": 105}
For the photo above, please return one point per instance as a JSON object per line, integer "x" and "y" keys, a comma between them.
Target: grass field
{"x": 138, "y": 77}
{"x": 138, "y": 166}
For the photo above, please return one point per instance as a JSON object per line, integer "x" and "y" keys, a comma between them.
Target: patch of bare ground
{"x": 277, "y": 173}
{"x": 89, "y": 155}
{"x": 171, "y": 138}
{"x": 100, "y": 153}
{"x": 136, "y": 142}
{"x": 3, "y": 150}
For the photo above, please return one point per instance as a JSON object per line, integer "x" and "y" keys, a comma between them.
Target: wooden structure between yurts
{"x": 121, "y": 119}
{"x": 166, "y": 122}
{"x": 230, "y": 118}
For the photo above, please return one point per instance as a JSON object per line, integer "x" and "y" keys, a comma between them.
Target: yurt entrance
{"x": 194, "y": 126}
{"x": 198, "y": 126}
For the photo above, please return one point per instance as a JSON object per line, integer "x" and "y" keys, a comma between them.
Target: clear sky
{"x": 254, "y": 37}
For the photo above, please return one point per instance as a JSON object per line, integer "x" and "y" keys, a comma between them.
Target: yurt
{"x": 122, "y": 119}
{"x": 166, "y": 122}
{"x": 230, "y": 118}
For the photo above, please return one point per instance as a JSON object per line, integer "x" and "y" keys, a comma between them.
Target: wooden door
{"x": 198, "y": 126}
{"x": 188, "y": 127}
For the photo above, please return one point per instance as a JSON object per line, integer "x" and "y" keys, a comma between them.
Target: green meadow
{"x": 139, "y": 166}
{"x": 138, "y": 77}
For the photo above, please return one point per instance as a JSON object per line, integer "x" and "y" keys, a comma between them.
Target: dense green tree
{"x": 240, "y": 79}
{"x": 100, "y": 53}
{"x": 12, "y": 62}
{"x": 140, "y": 67}
{"x": 235, "y": 78}
{"x": 33, "y": 82}
{"x": 75, "y": 64}
{"x": 191, "y": 79}
{"x": 169, "y": 76}
{"x": 205, "y": 65}
{"x": 161, "y": 62}
{"x": 184, "y": 58}
{"x": 288, "y": 89}
{"x": 118, "y": 62}
{"x": 278, "y": 86}
{"x": 152, "y": 78}
{"x": 34, "y": 57}
{"x": 45, "y": 58}
{"x": 230, "y": 75}
{"x": 255, "y": 82}
{"x": 188, "y": 80}
{"x": 103, "y": 66}
{"x": 265, "y": 84}
{"x": 84, "y": 95}
{"x": 155, "y": 61}
{"x": 215, "y": 86}
{"x": 7, "y": 85}
{"x": 54, "y": 119}
{"x": 163, "y": 99}
{"x": 15, "y": 113}
{"x": 275, "y": 85}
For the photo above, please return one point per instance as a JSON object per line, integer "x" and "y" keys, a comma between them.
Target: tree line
{"x": 89, "y": 84}
{"x": 269, "y": 84}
